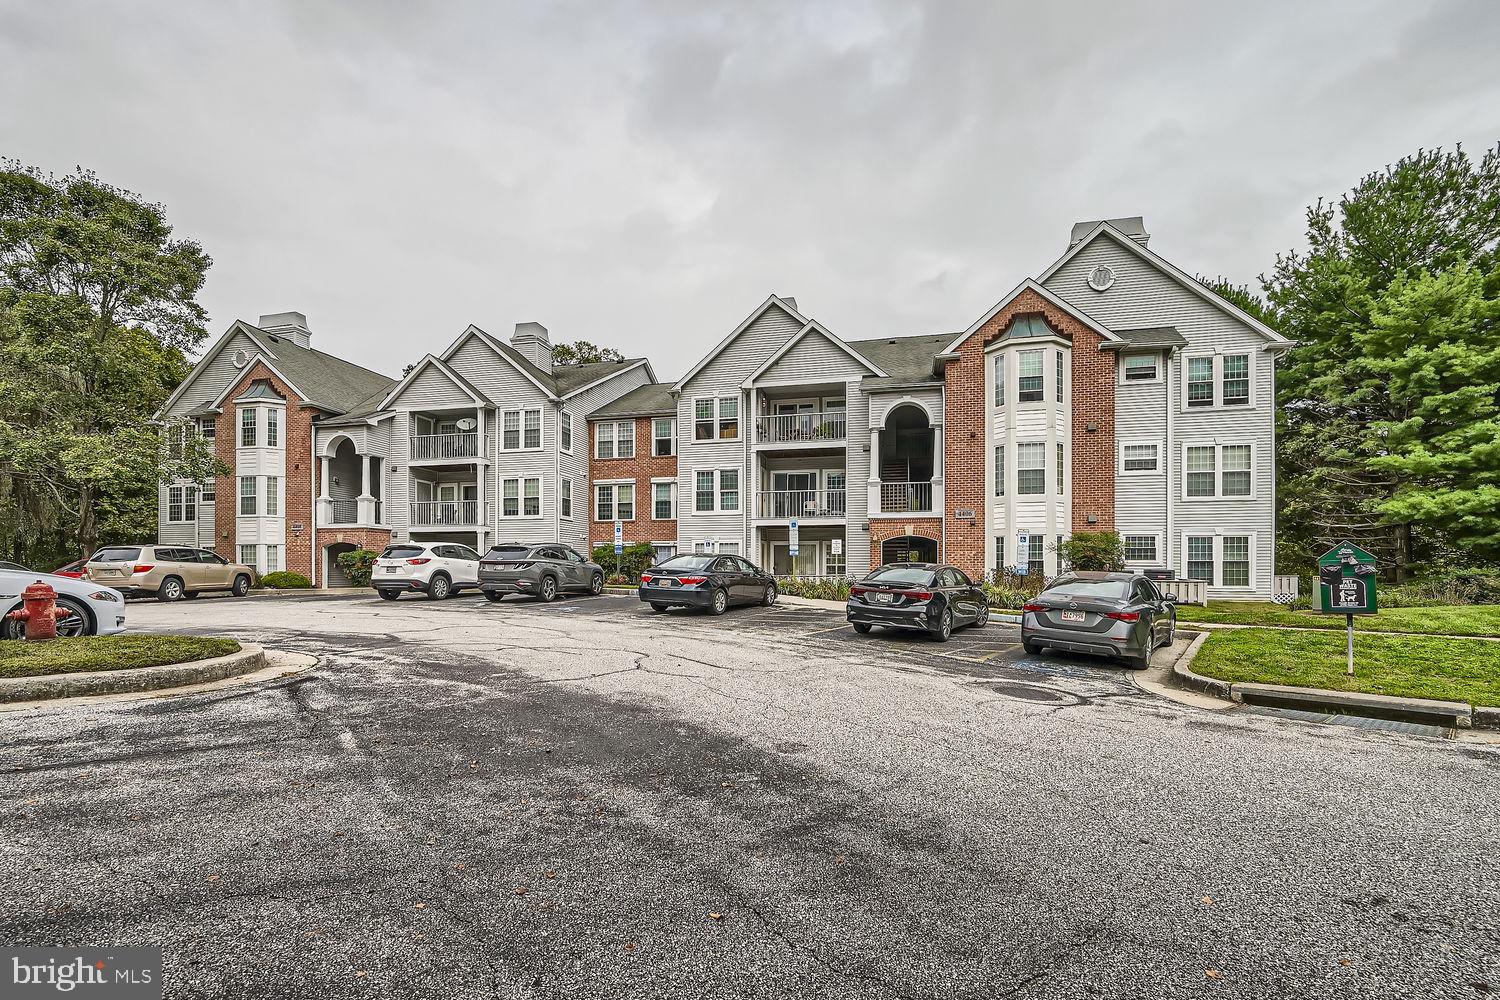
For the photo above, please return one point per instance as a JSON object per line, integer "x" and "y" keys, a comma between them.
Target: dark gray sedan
{"x": 928, "y": 597}
{"x": 542, "y": 571}
{"x": 1113, "y": 614}
{"x": 709, "y": 582}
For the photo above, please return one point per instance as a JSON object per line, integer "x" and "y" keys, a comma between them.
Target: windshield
{"x": 689, "y": 562}
{"x": 1107, "y": 589}
{"x": 116, "y": 555}
{"x": 898, "y": 576}
{"x": 401, "y": 551}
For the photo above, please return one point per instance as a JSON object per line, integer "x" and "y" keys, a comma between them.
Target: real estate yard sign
{"x": 1346, "y": 586}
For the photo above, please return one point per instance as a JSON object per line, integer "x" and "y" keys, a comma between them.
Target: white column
{"x": 365, "y": 502}
{"x": 325, "y": 505}
{"x": 873, "y": 500}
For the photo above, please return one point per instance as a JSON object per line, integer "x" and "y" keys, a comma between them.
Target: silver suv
{"x": 543, "y": 571}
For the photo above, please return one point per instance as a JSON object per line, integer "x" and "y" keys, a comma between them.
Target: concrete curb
{"x": 1378, "y": 706}
{"x": 249, "y": 659}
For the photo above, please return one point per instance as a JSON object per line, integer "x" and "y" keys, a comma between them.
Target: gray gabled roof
{"x": 651, "y": 400}
{"x": 904, "y": 359}
{"x": 568, "y": 378}
{"x": 1151, "y": 336}
{"x": 329, "y": 383}
{"x": 262, "y": 390}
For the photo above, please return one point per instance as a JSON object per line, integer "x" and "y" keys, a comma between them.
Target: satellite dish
{"x": 467, "y": 424}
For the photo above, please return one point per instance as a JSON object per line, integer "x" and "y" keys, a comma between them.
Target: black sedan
{"x": 930, "y": 597}
{"x": 706, "y": 581}
{"x": 1114, "y": 614}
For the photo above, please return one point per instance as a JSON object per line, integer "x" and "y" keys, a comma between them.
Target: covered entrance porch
{"x": 821, "y": 551}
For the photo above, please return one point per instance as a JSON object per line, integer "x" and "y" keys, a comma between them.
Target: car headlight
{"x": 102, "y": 595}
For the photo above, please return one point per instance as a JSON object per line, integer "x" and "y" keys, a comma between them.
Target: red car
{"x": 73, "y": 570}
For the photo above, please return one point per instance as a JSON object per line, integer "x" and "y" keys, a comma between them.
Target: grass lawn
{"x": 1405, "y": 666}
{"x": 1464, "y": 619}
{"x": 106, "y": 652}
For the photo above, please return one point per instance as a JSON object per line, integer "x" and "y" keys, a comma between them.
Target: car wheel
{"x": 983, "y": 617}
{"x": 944, "y": 630}
{"x": 494, "y": 596}
{"x": 1032, "y": 648}
{"x": 549, "y": 589}
{"x": 241, "y": 586}
{"x": 720, "y": 602}
{"x": 770, "y": 597}
{"x": 439, "y": 588}
{"x": 389, "y": 595}
{"x": 596, "y": 584}
{"x": 862, "y": 628}
{"x": 1141, "y": 662}
{"x": 78, "y": 623}
{"x": 1171, "y": 630}
{"x": 658, "y": 608}
{"x": 12, "y": 629}
{"x": 170, "y": 590}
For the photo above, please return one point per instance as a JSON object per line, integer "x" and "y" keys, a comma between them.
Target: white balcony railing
{"x": 458, "y": 446}
{"x": 906, "y": 498}
{"x": 800, "y": 503}
{"x": 784, "y": 428}
{"x": 445, "y": 513}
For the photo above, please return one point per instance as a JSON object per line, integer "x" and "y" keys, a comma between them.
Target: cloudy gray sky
{"x": 643, "y": 175}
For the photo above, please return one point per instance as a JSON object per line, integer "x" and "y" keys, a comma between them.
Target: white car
{"x": 97, "y": 610}
{"x": 437, "y": 569}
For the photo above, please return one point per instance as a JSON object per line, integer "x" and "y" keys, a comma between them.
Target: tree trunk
{"x": 88, "y": 525}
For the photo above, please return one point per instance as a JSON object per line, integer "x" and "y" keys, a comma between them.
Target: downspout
{"x": 557, "y": 475}
{"x": 745, "y": 475}
{"x": 1168, "y": 459}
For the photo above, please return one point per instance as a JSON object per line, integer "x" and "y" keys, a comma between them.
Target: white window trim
{"x": 1155, "y": 379}
{"x": 1218, "y": 535}
{"x": 1218, "y": 445}
{"x": 718, "y": 491}
{"x": 182, "y": 503}
{"x": 521, "y": 439}
{"x": 1160, "y": 551}
{"x": 672, "y": 438}
{"x": 635, "y": 504}
{"x": 565, "y": 489}
{"x": 1161, "y": 462}
{"x": 520, "y": 514}
{"x": 1218, "y": 382}
{"x": 665, "y": 481}
{"x": 1041, "y": 350}
{"x": 563, "y": 417}
{"x": 614, "y": 440}
{"x": 719, "y": 418}
{"x": 1014, "y": 475}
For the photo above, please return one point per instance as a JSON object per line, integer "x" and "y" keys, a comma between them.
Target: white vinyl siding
{"x": 1140, "y": 367}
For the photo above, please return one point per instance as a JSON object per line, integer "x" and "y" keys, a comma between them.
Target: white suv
{"x": 437, "y": 569}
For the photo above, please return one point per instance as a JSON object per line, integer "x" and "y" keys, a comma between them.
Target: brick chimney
{"x": 530, "y": 339}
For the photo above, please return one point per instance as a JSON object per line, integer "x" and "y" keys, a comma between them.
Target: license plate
{"x": 881, "y": 598}
{"x": 1072, "y": 616}
{"x": 664, "y": 583}
{"x": 390, "y": 569}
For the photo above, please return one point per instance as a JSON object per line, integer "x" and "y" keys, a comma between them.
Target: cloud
{"x": 642, "y": 174}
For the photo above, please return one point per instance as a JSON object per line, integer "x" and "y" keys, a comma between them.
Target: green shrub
{"x": 285, "y": 580}
{"x": 1093, "y": 551}
{"x": 636, "y": 558}
{"x": 357, "y": 566}
{"x": 1446, "y": 587}
{"x": 813, "y": 588}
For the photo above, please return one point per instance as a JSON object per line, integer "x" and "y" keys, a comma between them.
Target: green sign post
{"x": 1346, "y": 586}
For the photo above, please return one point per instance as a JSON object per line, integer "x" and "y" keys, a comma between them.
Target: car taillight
{"x": 1033, "y": 607}
{"x": 1123, "y": 616}
{"x": 418, "y": 562}
{"x": 859, "y": 590}
{"x": 520, "y": 565}
{"x": 647, "y": 578}
{"x": 487, "y": 562}
{"x": 692, "y": 580}
{"x": 143, "y": 568}
{"x": 919, "y": 595}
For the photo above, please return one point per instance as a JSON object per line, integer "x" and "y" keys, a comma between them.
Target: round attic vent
{"x": 1101, "y": 278}
{"x": 241, "y": 358}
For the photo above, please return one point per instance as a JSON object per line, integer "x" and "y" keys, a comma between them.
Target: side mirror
{"x": 1169, "y": 598}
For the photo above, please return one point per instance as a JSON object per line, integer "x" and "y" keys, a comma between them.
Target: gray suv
{"x": 544, "y": 571}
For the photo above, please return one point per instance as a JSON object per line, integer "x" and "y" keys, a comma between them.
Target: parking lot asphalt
{"x": 589, "y": 799}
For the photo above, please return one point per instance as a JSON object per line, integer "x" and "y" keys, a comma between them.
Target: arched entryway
{"x": 906, "y": 460}
{"x": 909, "y": 548}
{"x": 333, "y": 573}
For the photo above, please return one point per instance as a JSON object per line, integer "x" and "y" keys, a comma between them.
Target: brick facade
{"x": 374, "y": 539}
{"x": 297, "y": 440}
{"x": 966, "y": 463}
{"x": 642, "y": 469}
{"x": 884, "y": 529}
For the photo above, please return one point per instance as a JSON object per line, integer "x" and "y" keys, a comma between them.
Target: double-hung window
{"x": 273, "y": 427}
{"x": 1219, "y": 470}
{"x": 247, "y": 554}
{"x": 1222, "y": 380}
{"x": 273, "y": 496}
{"x": 1031, "y": 468}
{"x": 565, "y": 431}
{"x": 1234, "y": 386}
{"x": 1140, "y": 548}
{"x": 1029, "y": 387}
{"x": 716, "y": 418}
{"x": 565, "y": 498}
{"x": 182, "y": 504}
{"x": 1061, "y": 468}
{"x": 614, "y": 502}
{"x": 721, "y": 485}
{"x": 999, "y": 470}
{"x": 248, "y": 436}
{"x": 247, "y": 495}
{"x": 208, "y": 429}
{"x": 1035, "y": 561}
{"x": 1219, "y": 560}
{"x": 521, "y": 497}
{"x": 1000, "y": 379}
{"x": 1058, "y": 391}
{"x": 615, "y": 440}
{"x": 1200, "y": 381}
{"x": 1200, "y": 558}
{"x": 663, "y": 501}
{"x": 1141, "y": 457}
{"x": 510, "y": 430}
{"x": 520, "y": 430}
{"x": 1140, "y": 367}
{"x": 663, "y": 436}
{"x": 531, "y": 428}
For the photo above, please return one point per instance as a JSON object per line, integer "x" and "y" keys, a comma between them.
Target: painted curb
{"x": 1184, "y": 676}
{"x": 249, "y": 659}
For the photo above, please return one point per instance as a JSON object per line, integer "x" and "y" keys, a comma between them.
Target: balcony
{"x": 445, "y": 513}
{"x": 906, "y": 498}
{"x": 462, "y": 446}
{"x": 345, "y": 512}
{"x": 800, "y": 504}
{"x": 815, "y": 428}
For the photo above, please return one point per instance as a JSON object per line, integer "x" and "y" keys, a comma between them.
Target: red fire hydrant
{"x": 40, "y": 612}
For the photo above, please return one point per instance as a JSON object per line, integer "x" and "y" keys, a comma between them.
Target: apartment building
{"x": 484, "y": 442}
{"x": 256, "y": 396}
{"x": 1112, "y": 392}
